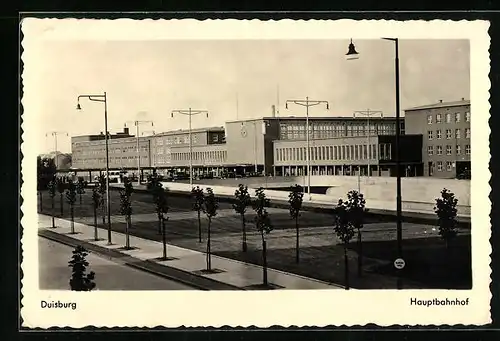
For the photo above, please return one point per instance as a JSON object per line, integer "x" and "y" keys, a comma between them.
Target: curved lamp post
{"x": 353, "y": 54}
{"x": 102, "y": 99}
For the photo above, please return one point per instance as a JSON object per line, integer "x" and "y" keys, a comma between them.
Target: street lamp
{"x": 190, "y": 112}
{"x": 352, "y": 52}
{"x": 103, "y": 99}
{"x": 137, "y": 123}
{"x": 54, "y": 134}
{"x": 307, "y": 103}
{"x": 368, "y": 113}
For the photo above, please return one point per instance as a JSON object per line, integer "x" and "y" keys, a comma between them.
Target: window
{"x": 438, "y": 134}
{"x": 448, "y": 118}
{"x": 449, "y": 166}
{"x": 439, "y": 150}
{"x": 467, "y": 116}
{"x": 459, "y": 149}
{"x": 430, "y": 134}
{"x": 457, "y": 117}
{"x": 457, "y": 133}
{"x": 448, "y": 150}
{"x": 448, "y": 134}
{"x": 440, "y": 166}
{"x": 429, "y": 119}
{"x": 467, "y": 133}
{"x": 430, "y": 150}
{"x": 467, "y": 149}
{"x": 438, "y": 118}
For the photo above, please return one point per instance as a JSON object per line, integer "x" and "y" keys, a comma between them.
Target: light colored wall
{"x": 243, "y": 149}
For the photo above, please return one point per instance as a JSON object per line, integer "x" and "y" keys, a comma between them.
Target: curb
{"x": 380, "y": 214}
{"x": 177, "y": 275}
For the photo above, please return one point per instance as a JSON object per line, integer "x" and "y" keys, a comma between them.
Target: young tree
{"x": 210, "y": 207}
{"x": 96, "y": 202}
{"x": 446, "y": 210}
{"x": 356, "y": 211}
{"x": 80, "y": 280}
{"x": 344, "y": 230}
{"x": 295, "y": 199}
{"x": 71, "y": 198}
{"x": 243, "y": 200}
{"x": 80, "y": 188}
{"x": 263, "y": 225}
{"x": 60, "y": 189}
{"x": 161, "y": 203}
{"x": 40, "y": 187}
{"x": 126, "y": 209}
{"x": 101, "y": 188}
{"x": 155, "y": 187}
{"x": 198, "y": 196}
{"x": 52, "y": 187}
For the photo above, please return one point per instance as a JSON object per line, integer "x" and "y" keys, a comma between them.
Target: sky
{"x": 232, "y": 79}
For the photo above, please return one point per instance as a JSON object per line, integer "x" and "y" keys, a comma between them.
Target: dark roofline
{"x": 440, "y": 105}
{"x": 315, "y": 118}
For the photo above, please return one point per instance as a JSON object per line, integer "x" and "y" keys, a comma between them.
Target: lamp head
{"x": 327, "y": 106}
{"x": 172, "y": 114}
{"x": 207, "y": 114}
{"x": 286, "y": 105}
{"x": 78, "y": 107}
{"x": 352, "y": 53}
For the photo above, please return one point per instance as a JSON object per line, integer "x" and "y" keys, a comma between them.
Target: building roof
{"x": 184, "y": 131}
{"x": 441, "y": 104}
{"x": 315, "y": 118}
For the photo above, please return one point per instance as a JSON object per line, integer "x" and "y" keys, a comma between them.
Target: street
{"x": 54, "y": 272}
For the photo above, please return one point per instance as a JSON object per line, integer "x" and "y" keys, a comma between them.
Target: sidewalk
{"x": 185, "y": 263}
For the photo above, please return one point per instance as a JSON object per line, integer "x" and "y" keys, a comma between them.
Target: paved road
{"x": 55, "y": 273}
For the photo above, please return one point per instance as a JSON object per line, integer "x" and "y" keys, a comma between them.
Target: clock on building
{"x": 243, "y": 131}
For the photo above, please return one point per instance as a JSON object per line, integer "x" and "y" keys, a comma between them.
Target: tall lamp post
{"x": 190, "y": 112}
{"x": 368, "y": 113}
{"x": 353, "y": 54}
{"x": 54, "y": 134}
{"x": 103, "y": 99}
{"x": 307, "y": 103}
{"x": 137, "y": 123}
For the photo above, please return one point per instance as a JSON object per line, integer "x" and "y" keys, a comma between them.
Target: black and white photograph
{"x": 196, "y": 163}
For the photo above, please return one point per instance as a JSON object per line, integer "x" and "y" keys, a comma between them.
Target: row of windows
{"x": 344, "y": 152}
{"x": 449, "y": 149}
{"x": 208, "y": 156}
{"x": 439, "y": 135}
{"x": 294, "y": 131}
{"x": 448, "y": 118}
{"x": 449, "y": 166}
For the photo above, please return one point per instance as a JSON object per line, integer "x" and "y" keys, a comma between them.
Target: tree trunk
{"x": 72, "y": 219}
{"x": 199, "y": 227}
{"x": 243, "y": 226}
{"x": 209, "y": 259}
{"x": 346, "y": 268}
{"x": 61, "y": 202}
{"x": 127, "y": 227}
{"x": 96, "y": 237}
{"x": 164, "y": 238}
{"x": 53, "y": 213}
{"x": 160, "y": 224}
{"x": 360, "y": 255}
{"x": 264, "y": 260}
{"x": 297, "y": 240}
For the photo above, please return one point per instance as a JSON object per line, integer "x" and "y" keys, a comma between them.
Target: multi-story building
{"x": 344, "y": 146}
{"x": 170, "y": 150}
{"x": 446, "y": 133}
{"x": 89, "y": 151}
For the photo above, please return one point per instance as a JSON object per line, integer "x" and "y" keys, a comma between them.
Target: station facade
{"x": 277, "y": 145}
